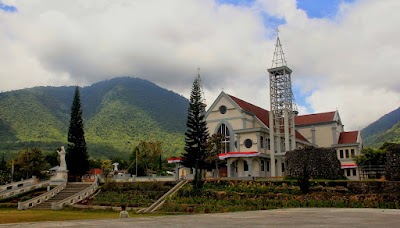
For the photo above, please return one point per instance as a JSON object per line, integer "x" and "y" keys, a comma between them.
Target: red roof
{"x": 348, "y": 137}
{"x": 238, "y": 154}
{"x": 260, "y": 113}
{"x": 96, "y": 171}
{"x": 174, "y": 160}
{"x": 315, "y": 118}
{"x": 348, "y": 166}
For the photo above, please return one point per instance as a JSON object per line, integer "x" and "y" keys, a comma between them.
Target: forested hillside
{"x": 115, "y": 112}
{"x": 385, "y": 129}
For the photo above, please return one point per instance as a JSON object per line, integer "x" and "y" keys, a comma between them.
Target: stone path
{"x": 295, "y": 217}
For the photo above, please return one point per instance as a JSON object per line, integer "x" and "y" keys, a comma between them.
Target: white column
{"x": 279, "y": 166}
{"x": 334, "y": 136}
{"x": 250, "y": 165}
{"x": 286, "y": 129}
{"x": 293, "y": 130}
{"x": 272, "y": 144}
{"x": 228, "y": 167}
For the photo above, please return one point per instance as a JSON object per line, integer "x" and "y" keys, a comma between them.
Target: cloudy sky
{"x": 343, "y": 53}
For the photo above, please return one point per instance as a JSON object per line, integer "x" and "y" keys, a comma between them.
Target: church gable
{"x": 222, "y": 108}
{"x": 236, "y": 113}
{"x": 224, "y": 111}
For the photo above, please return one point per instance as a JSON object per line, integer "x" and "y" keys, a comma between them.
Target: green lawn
{"x": 11, "y": 215}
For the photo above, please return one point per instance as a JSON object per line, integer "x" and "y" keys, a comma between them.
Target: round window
{"x": 248, "y": 143}
{"x": 222, "y": 109}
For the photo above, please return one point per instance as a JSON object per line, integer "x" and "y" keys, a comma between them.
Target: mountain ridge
{"x": 385, "y": 129}
{"x": 115, "y": 111}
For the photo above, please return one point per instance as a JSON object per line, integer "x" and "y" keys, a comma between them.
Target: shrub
{"x": 392, "y": 170}
{"x": 311, "y": 162}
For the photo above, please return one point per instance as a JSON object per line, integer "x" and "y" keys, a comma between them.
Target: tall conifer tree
{"x": 76, "y": 155}
{"x": 196, "y": 134}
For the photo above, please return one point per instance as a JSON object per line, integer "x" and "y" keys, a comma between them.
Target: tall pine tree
{"x": 196, "y": 134}
{"x": 76, "y": 155}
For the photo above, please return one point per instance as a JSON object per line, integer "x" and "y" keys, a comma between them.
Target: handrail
{"x": 23, "y": 189}
{"x": 14, "y": 185}
{"x": 76, "y": 197}
{"x": 42, "y": 198}
{"x": 162, "y": 199}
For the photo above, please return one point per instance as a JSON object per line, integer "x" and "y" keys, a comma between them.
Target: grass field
{"x": 8, "y": 215}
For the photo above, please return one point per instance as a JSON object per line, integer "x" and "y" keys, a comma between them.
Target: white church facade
{"x": 256, "y": 140}
{"x": 247, "y": 147}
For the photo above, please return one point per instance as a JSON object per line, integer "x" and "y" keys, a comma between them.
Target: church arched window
{"x": 224, "y": 130}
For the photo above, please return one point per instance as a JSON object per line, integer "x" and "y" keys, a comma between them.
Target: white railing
{"x": 42, "y": 198}
{"x": 76, "y": 197}
{"x": 26, "y": 188}
{"x": 15, "y": 185}
{"x": 162, "y": 199}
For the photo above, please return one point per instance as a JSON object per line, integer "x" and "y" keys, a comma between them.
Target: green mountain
{"x": 115, "y": 112}
{"x": 385, "y": 129}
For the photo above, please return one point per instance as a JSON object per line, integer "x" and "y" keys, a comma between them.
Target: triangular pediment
{"x": 223, "y": 99}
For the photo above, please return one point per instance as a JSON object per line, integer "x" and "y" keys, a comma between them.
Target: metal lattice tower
{"x": 283, "y": 108}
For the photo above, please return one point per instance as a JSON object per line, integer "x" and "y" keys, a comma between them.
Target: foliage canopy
{"x": 392, "y": 171}
{"x": 311, "y": 162}
{"x": 76, "y": 156}
{"x": 196, "y": 134}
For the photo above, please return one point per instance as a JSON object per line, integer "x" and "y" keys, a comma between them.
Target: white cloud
{"x": 348, "y": 62}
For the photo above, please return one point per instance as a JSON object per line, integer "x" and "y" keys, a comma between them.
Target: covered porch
{"x": 246, "y": 164}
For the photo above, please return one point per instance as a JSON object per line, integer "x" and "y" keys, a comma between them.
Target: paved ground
{"x": 297, "y": 217}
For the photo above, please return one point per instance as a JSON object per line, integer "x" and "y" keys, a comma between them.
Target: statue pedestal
{"x": 60, "y": 177}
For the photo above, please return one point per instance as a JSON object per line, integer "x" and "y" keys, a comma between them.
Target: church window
{"x": 222, "y": 109}
{"x": 248, "y": 143}
{"x": 225, "y": 142}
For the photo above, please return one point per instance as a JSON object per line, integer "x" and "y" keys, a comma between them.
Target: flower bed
{"x": 224, "y": 196}
{"x": 132, "y": 194}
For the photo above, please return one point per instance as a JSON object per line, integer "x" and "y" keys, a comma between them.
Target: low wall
{"x": 138, "y": 179}
{"x": 23, "y": 188}
{"x": 18, "y": 184}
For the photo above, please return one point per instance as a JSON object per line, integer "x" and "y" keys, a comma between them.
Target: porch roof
{"x": 238, "y": 154}
{"x": 349, "y": 166}
{"x": 175, "y": 160}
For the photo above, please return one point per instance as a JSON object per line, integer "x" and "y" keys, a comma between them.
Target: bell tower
{"x": 282, "y": 109}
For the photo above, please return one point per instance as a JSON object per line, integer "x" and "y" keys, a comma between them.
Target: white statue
{"x": 115, "y": 164}
{"x": 63, "y": 164}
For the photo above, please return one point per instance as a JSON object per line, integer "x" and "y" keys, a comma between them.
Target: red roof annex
{"x": 260, "y": 113}
{"x": 315, "y": 118}
{"x": 348, "y": 137}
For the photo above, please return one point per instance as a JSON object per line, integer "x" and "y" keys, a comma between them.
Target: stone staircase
{"x": 71, "y": 189}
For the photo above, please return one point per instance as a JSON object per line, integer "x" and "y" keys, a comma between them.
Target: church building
{"x": 256, "y": 140}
